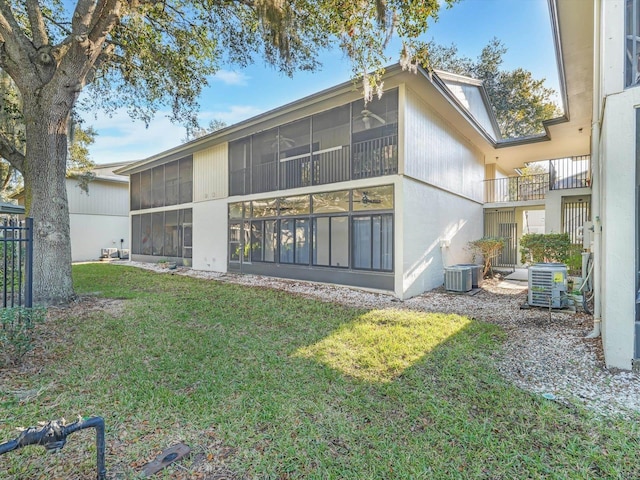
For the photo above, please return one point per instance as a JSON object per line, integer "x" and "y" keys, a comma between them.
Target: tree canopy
{"x": 521, "y": 103}
{"x": 147, "y": 55}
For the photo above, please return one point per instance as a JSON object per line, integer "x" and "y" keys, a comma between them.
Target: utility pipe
{"x": 596, "y": 176}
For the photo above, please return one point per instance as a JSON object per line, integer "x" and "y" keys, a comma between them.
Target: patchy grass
{"x": 264, "y": 384}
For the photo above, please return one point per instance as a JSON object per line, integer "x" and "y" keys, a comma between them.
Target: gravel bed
{"x": 545, "y": 353}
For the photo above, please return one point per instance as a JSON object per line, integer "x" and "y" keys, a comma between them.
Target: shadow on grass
{"x": 305, "y": 389}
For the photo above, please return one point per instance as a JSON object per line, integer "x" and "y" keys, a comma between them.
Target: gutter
{"x": 596, "y": 179}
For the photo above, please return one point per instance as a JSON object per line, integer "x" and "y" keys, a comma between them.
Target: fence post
{"x": 28, "y": 264}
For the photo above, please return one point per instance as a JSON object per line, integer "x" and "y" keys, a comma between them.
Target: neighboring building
{"x": 327, "y": 189}
{"x": 385, "y": 196}
{"x": 99, "y": 217}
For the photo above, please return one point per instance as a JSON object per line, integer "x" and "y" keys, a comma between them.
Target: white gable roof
{"x": 472, "y": 96}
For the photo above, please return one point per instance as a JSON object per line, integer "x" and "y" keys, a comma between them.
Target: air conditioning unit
{"x": 457, "y": 278}
{"x": 123, "y": 254}
{"x": 108, "y": 253}
{"x": 476, "y": 273}
{"x": 548, "y": 285}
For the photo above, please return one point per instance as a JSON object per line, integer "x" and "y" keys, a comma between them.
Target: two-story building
{"x": 385, "y": 195}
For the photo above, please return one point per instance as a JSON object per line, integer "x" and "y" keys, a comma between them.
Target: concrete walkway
{"x": 518, "y": 280}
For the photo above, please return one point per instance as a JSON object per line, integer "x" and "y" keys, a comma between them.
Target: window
{"x": 287, "y": 232}
{"x": 375, "y": 136}
{"x": 171, "y": 233}
{"x": 146, "y": 200}
{"x": 264, "y": 159}
{"x": 171, "y": 179}
{"x": 257, "y": 239}
{"x": 298, "y": 205}
{"x": 350, "y": 229}
{"x": 136, "y": 234}
{"x": 373, "y": 198}
{"x": 373, "y": 242}
{"x": 331, "y": 202}
{"x": 186, "y": 180}
{"x": 239, "y": 171}
{"x": 134, "y": 181}
{"x": 235, "y": 241}
{"x": 351, "y": 141}
{"x": 264, "y": 241}
{"x": 162, "y": 234}
{"x": 145, "y": 234}
{"x": 331, "y": 241}
{"x": 294, "y": 142}
{"x": 632, "y": 43}
{"x": 331, "y": 145}
{"x": 265, "y": 208}
{"x": 157, "y": 242}
{"x": 157, "y": 180}
{"x": 163, "y": 185}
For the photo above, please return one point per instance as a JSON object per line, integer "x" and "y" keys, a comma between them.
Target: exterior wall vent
{"x": 548, "y": 285}
{"x": 458, "y": 278}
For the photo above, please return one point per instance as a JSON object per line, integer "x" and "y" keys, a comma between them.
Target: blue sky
{"x": 237, "y": 94}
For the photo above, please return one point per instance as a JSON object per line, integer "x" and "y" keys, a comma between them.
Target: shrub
{"x": 16, "y": 332}
{"x": 488, "y": 248}
{"x": 545, "y": 247}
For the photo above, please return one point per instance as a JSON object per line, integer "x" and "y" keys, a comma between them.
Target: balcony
{"x": 559, "y": 174}
{"x": 366, "y": 159}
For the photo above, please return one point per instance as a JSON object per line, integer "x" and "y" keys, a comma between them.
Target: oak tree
{"x": 151, "y": 54}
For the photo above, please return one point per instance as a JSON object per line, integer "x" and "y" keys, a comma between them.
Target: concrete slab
{"x": 519, "y": 274}
{"x": 513, "y": 285}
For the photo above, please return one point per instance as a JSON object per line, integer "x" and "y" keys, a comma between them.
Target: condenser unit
{"x": 109, "y": 253}
{"x": 548, "y": 285}
{"x": 458, "y": 279}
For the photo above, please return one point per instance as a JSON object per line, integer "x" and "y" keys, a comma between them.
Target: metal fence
{"x": 16, "y": 262}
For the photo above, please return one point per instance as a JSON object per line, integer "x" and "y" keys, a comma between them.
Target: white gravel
{"x": 544, "y": 353}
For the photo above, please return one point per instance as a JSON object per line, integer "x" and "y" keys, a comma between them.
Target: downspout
{"x": 596, "y": 177}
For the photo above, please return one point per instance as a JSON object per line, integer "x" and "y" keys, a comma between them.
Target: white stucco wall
{"x": 434, "y": 227}
{"x": 618, "y": 216}
{"x": 210, "y": 235}
{"x": 90, "y": 233}
{"x": 618, "y": 212}
{"x": 553, "y": 207}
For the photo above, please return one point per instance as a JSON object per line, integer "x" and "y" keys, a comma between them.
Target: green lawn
{"x": 265, "y": 384}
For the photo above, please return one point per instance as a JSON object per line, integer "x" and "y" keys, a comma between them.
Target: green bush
{"x": 574, "y": 260}
{"x": 16, "y": 332}
{"x": 545, "y": 247}
{"x": 487, "y": 248}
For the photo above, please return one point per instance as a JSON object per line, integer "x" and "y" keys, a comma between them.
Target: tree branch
{"x": 64, "y": 27}
{"x": 82, "y": 17}
{"x": 17, "y": 47}
{"x": 10, "y": 154}
{"x": 38, "y": 30}
{"x": 104, "y": 20}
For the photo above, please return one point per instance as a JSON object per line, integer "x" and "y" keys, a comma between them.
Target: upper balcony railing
{"x": 371, "y": 158}
{"x": 565, "y": 173}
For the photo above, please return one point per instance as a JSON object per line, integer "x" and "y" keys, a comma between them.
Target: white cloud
{"x": 121, "y": 138}
{"x": 229, "y": 77}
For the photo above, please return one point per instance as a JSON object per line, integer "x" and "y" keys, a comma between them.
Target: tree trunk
{"x": 46, "y": 196}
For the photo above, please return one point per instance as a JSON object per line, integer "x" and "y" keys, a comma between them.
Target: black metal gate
{"x": 16, "y": 262}
{"x": 502, "y": 223}
{"x": 575, "y": 212}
